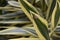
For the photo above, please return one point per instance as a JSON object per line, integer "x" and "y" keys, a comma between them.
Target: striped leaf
{"x": 42, "y": 26}
{"x": 55, "y": 17}
{"x": 50, "y": 9}
{"x": 43, "y": 5}
{"x": 41, "y": 33}
{"x": 31, "y": 7}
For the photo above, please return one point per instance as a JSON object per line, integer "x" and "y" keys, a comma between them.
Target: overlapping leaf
{"x": 55, "y": 15}
{"x": 27, "y": 11}
{"x": 50, "y": 9}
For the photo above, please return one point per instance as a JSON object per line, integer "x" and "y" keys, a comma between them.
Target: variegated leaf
{"x": 50, "y": 9}
{"x": 55, "y": 17}
{"x": 27, "y": 11}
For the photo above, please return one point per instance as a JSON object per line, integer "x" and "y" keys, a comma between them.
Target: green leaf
{"x": 55, "y": 15}
{"x": 27, "y": 12}
{"x": 41, "y": 33}
{"x": 51, "y": 8}
{"x": 55, "y": 18}
{"x": 42, "y": 26}
{"x": 43, "y": 5}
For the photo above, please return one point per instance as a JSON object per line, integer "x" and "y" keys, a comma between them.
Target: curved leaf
{"x": 27, "y": 11}
{"x": 55, "y": 15}
{"x": 42, "y": 25}
{"x": 55, "y": 18}
{"x": 50, "y": 9}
